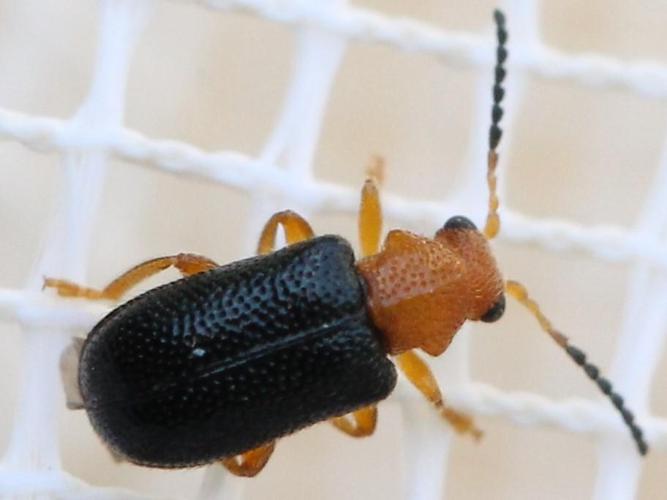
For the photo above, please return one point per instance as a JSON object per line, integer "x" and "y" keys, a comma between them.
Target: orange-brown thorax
{"x": 421, "y": 290}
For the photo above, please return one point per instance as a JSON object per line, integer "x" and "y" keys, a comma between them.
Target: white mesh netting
{"x": 282, "y": 175}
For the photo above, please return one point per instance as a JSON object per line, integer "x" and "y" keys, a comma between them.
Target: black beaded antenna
{"x": 519, "y": 292}
{"x": 495, "y": 132}
{"x": 605, "y": 386}
{"x": 516, "y": 289}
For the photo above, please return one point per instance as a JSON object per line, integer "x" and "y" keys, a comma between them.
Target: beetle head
{"x": 484, "y": 283}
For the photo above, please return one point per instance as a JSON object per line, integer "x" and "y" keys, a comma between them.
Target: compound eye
{"x": 459, "y": 222}
{"x": 496, "y": 311}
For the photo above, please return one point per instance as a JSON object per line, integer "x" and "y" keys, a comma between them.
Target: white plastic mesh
{"x": 283, "y": 173}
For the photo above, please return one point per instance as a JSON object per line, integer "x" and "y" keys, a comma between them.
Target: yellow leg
{"x": 188, "y": 264}
{"x": 420, "y": 375}
{"x": 370, "y": 210}
{"x": 296, "y": 229}
{"x": 360, "y": 423}
{"x": 250, "y": 463}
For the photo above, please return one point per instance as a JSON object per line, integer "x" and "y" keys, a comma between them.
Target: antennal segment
{"x": 495, "y": 132}
{"x": 519, "y": 292}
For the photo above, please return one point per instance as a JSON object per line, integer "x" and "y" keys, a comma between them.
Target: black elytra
{"x": 221, "y": 362}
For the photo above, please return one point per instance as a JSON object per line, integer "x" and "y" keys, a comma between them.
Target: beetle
{"x": 220, "y": 364}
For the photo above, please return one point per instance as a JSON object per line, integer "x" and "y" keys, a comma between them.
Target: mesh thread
{"x": 31, "y": 465}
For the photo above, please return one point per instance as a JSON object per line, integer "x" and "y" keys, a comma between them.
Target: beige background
{"x": 216, "y": 80}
